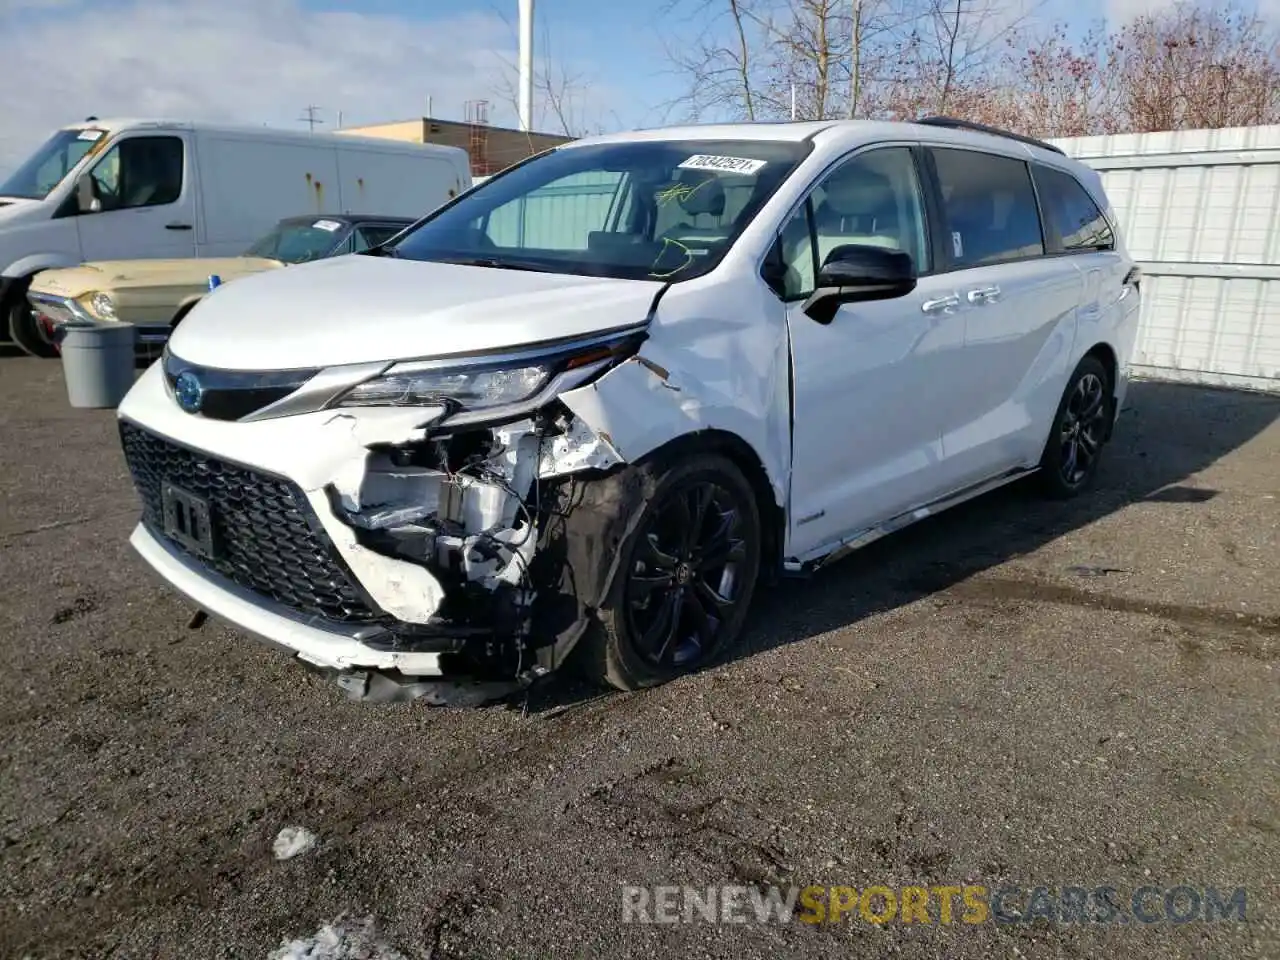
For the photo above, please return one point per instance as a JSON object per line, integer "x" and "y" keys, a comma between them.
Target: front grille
{"x": 233, "y": 394}
{"x": 269, "y": 538}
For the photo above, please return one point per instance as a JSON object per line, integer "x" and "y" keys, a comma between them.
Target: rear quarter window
{"x": 1074, "y": 220}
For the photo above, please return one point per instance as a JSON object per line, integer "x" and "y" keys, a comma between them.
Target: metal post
{"x": 526, "y": 65}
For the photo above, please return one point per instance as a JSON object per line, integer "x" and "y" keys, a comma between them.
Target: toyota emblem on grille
{"x": 189, "y": 392}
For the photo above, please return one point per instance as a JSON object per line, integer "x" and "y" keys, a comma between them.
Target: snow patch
{"x": 341, "y": 940}
{"x": 292, "y": 841}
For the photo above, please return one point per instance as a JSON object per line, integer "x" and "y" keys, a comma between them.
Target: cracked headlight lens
{"x": 469, "y": 389}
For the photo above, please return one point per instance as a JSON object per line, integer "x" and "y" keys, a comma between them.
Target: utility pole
{"x": 526, "y": 65}
{"x": 310, "y": 119}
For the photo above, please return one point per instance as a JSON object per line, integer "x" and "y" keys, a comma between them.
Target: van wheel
{"x": 685, "y": 579}
{"x": 1071, "y": 455}
{"x": 23, "y": 324}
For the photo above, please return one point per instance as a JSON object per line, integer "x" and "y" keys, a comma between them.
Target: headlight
{"x": 480, "y": 384}
{"x": 471, "y": 389}
{"x": 103, "y": 306}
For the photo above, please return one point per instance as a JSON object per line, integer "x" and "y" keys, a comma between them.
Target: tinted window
{"x": 990, "y": 207}
{"x": 372, "y": 234}
{"x": 872, "y": 199}
{"x": 1071, "y": 212}
{"x": 139, "y": 172}
{"x": 639, "y": 209}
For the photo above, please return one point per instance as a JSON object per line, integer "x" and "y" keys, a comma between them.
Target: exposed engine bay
{"x": 473, "y": 507}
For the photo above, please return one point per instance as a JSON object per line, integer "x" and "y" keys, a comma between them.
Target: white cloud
{"x": 253, "y": 61}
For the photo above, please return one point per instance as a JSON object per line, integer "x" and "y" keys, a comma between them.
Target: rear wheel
{"x": 685, "y": 579}
{"x": 24, "y": 324}
{"x": 1071, "y": 455}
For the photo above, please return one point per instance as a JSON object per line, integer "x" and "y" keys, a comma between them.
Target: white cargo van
{"x": 147, "y": 189}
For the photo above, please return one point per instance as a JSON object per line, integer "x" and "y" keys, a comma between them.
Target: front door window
{"x": 139, "y": 172}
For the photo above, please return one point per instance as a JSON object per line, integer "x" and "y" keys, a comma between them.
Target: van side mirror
{"x": 86, "y": 202}
{"x": 854, "y": 273}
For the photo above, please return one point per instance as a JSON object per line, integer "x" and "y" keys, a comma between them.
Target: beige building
{"x": 491, "y": 148}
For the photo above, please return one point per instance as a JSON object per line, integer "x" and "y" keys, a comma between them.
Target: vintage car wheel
{"x": 24, "y": 325}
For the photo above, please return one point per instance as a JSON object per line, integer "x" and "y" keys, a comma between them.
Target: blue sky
{"x": 264, "y": 61}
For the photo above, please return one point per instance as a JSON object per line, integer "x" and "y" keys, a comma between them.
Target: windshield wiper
{"x": 497, "y": 264}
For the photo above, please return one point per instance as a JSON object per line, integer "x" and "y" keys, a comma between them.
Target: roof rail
{"x": 953, "y": 124}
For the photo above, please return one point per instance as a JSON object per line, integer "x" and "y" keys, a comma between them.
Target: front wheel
{"x": 1071, "y": 455}
{"x": 686, "y": 575}
{"x": 24, "y": 324}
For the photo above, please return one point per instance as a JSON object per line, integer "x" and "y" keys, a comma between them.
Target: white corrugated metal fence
{"x": 1200, "y": 211}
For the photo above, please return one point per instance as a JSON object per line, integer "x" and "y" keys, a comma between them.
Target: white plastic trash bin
{"x": 98, "y": 363}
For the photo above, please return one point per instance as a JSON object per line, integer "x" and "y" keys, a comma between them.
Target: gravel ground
{"x": 1013, "y": 693}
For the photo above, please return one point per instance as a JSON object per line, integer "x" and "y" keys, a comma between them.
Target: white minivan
{"x": 150, "y": 189}
{"x": 595, "y": 400}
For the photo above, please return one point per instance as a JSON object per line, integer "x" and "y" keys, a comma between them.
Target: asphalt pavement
{"x": 1017, "y": 694}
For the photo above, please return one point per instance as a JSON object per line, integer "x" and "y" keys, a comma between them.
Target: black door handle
{"x": 177, "y": 226}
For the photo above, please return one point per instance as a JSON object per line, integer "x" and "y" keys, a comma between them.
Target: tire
{"x": 24, "y": 329}
{"x": 633, "y": 640}
{"x": 1069, "y": 464}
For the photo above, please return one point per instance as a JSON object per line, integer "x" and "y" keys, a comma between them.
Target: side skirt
{"x": 824, "y": 556}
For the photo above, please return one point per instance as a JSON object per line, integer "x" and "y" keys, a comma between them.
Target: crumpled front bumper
{"x": 315, "y": 641}
{"x": 317, "y": 471}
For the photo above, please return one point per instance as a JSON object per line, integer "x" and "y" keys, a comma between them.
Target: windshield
{"x": 641, "y": 210}
{"x": 298, "y": 242}
{"x": 48, "y": 165}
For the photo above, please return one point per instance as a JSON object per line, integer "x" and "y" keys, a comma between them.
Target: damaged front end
{"x": 443, "y": 531}
{"x": 471, "y": 507}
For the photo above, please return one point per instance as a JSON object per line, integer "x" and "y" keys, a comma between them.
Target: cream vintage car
{"x": 154, "y": 295}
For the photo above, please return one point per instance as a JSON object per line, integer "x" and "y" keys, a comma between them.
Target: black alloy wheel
{"x": 685, "y": 578}
{"x": 685, "y": 575}
{"x": 1079, "y": 432}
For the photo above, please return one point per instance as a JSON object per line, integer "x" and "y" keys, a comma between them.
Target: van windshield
{"x": 47, "y": 167}
{"x": 639, "y": 210}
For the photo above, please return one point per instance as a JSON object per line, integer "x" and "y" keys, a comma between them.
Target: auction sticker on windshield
{"x": 89, "y": 135}
{"x": 330, "y": 225}
{"x": 724, "y": 164}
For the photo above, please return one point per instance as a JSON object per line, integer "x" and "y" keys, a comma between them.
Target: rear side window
{"x": 1075, "y": 221}
{"x": 990, "y": 208}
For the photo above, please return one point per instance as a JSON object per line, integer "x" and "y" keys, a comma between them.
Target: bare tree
{"x": 1206, "y": 65}
{"x": 1198, "y": 66}
{"x": 748, "y": 56}
{"x": 1053, "y": 87}
{"x": 560, "y": 93}
{"x": 722, "y": 66}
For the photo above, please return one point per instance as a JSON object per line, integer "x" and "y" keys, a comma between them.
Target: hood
{"x": 12, "y": 208}
{"x": 361, "y": 309}
{"x": 120, "y": 275}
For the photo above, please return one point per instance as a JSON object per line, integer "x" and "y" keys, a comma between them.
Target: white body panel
{"x": 470, "y": 309}
{"x": 236, "y": 184}
{"x": 1200, "y": 212}
{"x": 889, "y": 410}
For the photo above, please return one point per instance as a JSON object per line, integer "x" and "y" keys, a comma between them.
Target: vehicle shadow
{"x": 1167, "y": 433}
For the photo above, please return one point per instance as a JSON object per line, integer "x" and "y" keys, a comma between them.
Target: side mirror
{"x": 86, "y": 202}
{"x": 855, "y": 273}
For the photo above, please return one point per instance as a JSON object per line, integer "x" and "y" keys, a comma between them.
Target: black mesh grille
{"x": 264, "y": 526}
